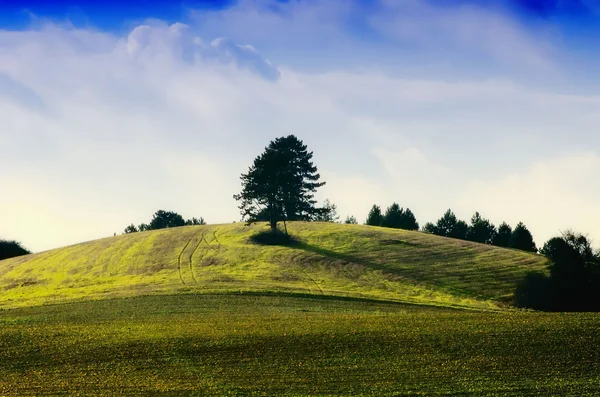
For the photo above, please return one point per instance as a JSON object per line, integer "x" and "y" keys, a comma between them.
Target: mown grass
{"x": 329, "y": 259}
{"x": 203, "y": 344}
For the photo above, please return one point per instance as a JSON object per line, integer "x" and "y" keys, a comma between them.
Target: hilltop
{"x": 331, "y": 259}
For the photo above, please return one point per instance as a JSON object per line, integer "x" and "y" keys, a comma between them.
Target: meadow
{"x": 293, "y": 345}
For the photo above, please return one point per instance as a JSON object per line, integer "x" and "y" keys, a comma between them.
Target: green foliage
{"x": 278, "y": 345}
{"x": 195, "y": 222}
{"x": 522, "y": 239}
{"x": 574, "y": 280}
{"x": 375, "y": 217}
{"x": 327, "y": 213}
{"x": 503, "y": 237}
{"x": 280, "y": 183}
{"x": 131, "y": 229}
{"x": 164, "y": 220}
{"x": 449, "y": 226}
{"x": 399, "y": 218}
{"x": 11, "y": 249}
{"x": 351, "y": 220}
{"x": 481, "y": 230}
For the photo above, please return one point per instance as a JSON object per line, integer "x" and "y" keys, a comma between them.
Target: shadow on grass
{"x": 274, "y": 238}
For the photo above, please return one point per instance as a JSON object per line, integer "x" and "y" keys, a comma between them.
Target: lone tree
{"x": 280, "y": 184}
{"x": 328, "y": 213}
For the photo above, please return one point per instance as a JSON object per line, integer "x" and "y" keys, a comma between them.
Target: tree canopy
{"x": 280, "y": 184}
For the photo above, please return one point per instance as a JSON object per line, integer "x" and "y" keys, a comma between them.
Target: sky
{"x": 112, "y": 110}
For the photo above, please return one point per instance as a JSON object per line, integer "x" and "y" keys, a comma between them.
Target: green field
{"x": 277, "y": 345}
{"x": 350, "y": 310}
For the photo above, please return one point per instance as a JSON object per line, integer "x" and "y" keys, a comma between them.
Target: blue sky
{"x": 110, "y": 111}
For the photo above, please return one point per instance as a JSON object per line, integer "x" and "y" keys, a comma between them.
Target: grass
{"x": 328, "y": 259}
{"x": 255, "y": 345}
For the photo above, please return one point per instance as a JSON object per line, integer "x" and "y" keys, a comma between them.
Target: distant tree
{"x": 481, "y": 230}
{"x": 409, "y": 221}
{"x": 195, "y": 221}
{"x": 522, "y": 239}
{"x": 502, "y": 238}
{"x": 11, "y": 249}
{"x": 430, "y": 227}
{"x": 449, "y": 226}
{"x": 351, "y": 220}
{"x": 327, "y": 213}
{"x": 131, "y": 229}
{"x": 393, "y": 216}
{"x": 375, "y": 217}
{"x": 166, "y": 219}
{"x": 280, "y": 183}
{"x": 143, "y": 227}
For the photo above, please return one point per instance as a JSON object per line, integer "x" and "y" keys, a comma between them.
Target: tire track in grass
{"x": 192, "y": 255}
{"x": 181, "y": 254}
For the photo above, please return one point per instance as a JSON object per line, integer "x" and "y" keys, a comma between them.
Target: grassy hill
{"x": 331, "y": 259}
{"x": 332, "y": 315}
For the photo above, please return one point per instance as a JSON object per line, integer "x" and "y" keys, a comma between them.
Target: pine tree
{"x": 375, "y": 217}
{"x": 280, "y": 183}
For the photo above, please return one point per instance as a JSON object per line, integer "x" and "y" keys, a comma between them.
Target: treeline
{"x": 162, "y": 220}
{"x": 11, "y": 249}
{"x": 480, "y": 230}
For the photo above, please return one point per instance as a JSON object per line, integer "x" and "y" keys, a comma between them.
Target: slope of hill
{"x": 331, "y": 259}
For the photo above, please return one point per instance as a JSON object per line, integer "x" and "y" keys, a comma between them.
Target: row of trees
{"x": 480, "y": 230}
{"x": 162, "y": 220}
{"x": 394, "y": 217}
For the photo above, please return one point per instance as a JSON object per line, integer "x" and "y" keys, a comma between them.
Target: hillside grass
{"x": 330, "y": 259}
{"x": 253, "y": 345}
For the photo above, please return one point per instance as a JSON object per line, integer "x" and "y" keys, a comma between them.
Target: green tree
{"x": 481, "y": 230}
{"x": 281, "y": 182}
{"x": 522, "y": 239}
{"x": 449, "y": 226}
{"x": 327, "y": 213}
{"x": 375, "y": 217}
{"x": 393, "y": 216}
{"x": 11, "y": 249}
{"x": 195, "y": 221}
{"x": 409, "y": 221}
{"x": 351, "y": 220}
{"x": 430, "y": 228}
{"x": 130, "y": 229}
{"x": 502, "y": 238}
{"x": 166, "y": 219}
